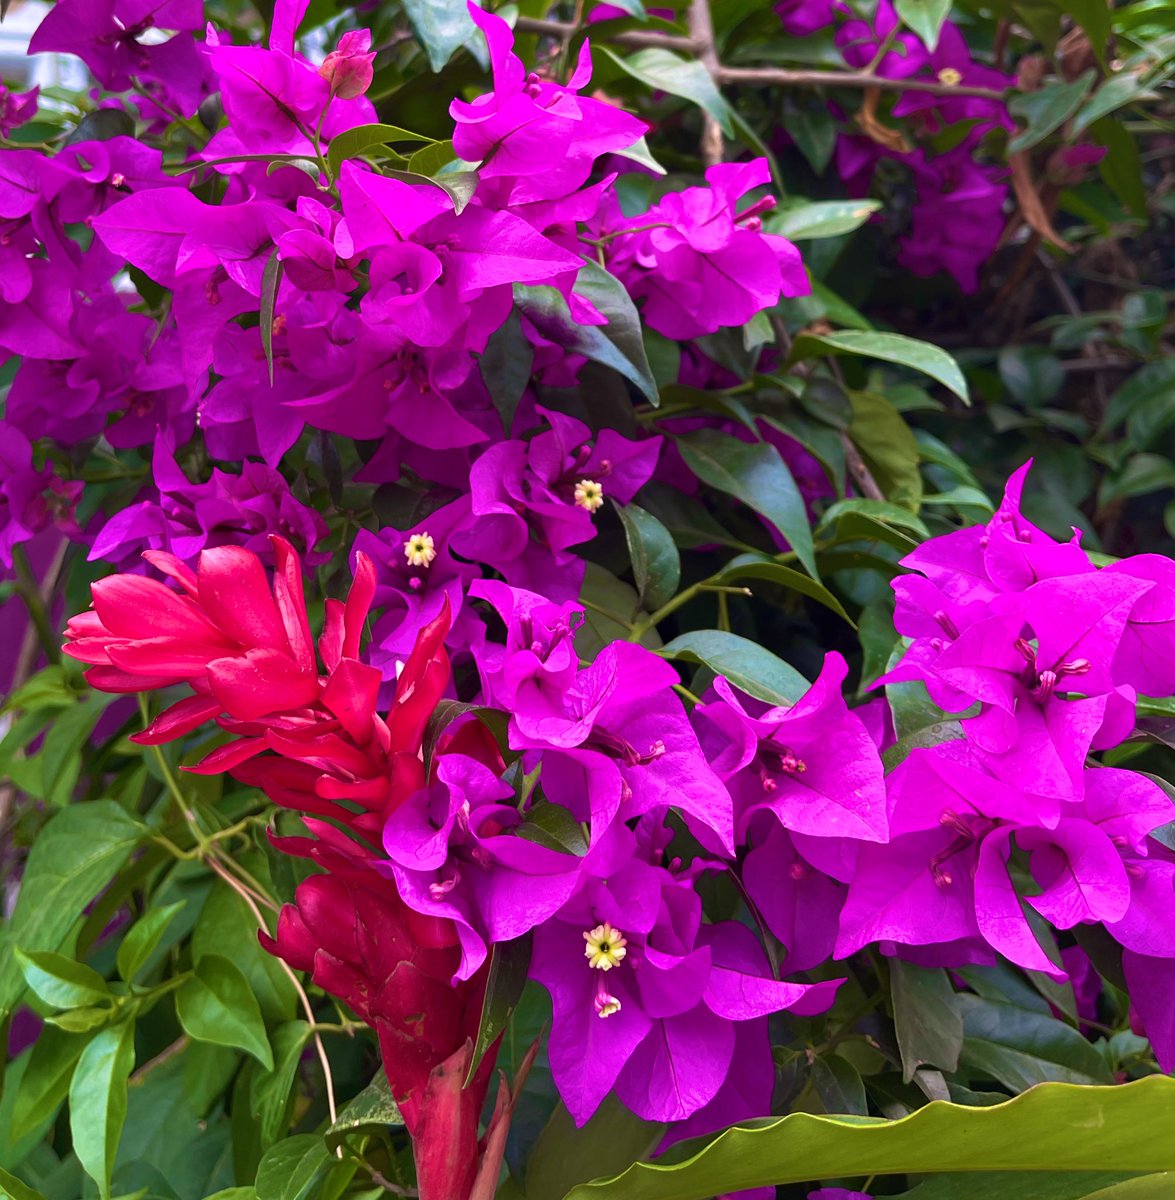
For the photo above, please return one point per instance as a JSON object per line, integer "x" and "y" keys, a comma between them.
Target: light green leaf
{"x": 927, "y": 1017}
{"x": 925, "y": 18}
{"x": 749, "y": 666}
{"x": 888, "y": 347}
{"x": 1046, "y": 110}
{"x": 97, "y": 1100}
{"x": 217, "y": 1005}
{"x": 358, "y": 141}
{"x": 441, "y": 26}
{"x": 755, "y": 473}
{"x": 374, "y": 1109}
{"x": 639, "y": 152}
{"x": 664, "y": 71}
{"x": 656, "y": 563}
{"x": 60, "y": 981}
{"x": 294, "y": 1169}
{"x": 74, "y": 857}
{"x": 1124, "y": 1127}
{"x": 820, "y": 218}
{"x": 430, "y": 159}
{"x": 143, "y": 937}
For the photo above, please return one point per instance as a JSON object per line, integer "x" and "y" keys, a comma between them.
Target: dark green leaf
{"x": 509, "y": 963}
{"x": 1022, "y": 1048}
{"x": 1121, "y": 168}
{"x": 888, "y": 447}
{"x": 656, "y": 564}
{"x": 73, "y": 858}
{"x": 888, "y": 347}
{"x": 927, "y": 1017}
{"x": 611, "y": 299}
{"x": 441, "y": 26}
{"x": 505, "y": 367}
{"x": 664, "y": 71}
{"x": 270, "y": 281}
{"x": 755, "y": 473}
{"x": 565, "y": 1156}
{"x": 97, "y": 1100}
{"x": 749, "y": 666}
{"x": 1122, "y": 1127}
{"x": 547, "y": 310}
{"x": 217, "y": 1005}
{"x": 552, "y": 826}
{"x": 839, "y": 1086}
{"x": 11, "y": 1187}
{"x": 61, "y": 982}
{"x": 102, "y": 125}
{"x": 143, "y": 937}
{"x": 61, "y": 755}
{"x": 759, "y": 566}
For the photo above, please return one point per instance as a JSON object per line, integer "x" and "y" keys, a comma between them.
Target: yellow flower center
{"x": 950, "y": 77}
{"x": 420, "y": 550}
{"x": 605, "y": 949}
{"x": 589, "y": 494}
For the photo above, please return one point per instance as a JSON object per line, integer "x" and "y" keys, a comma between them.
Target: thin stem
{"x": 30, "y": 593}
{"x": 634, "y": 38}
{"x": 785, "y": 77}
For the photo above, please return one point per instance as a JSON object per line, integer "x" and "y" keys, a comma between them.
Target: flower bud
{"x": 348, "y": 69}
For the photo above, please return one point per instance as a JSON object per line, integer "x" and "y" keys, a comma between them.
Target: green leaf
{"x": 1147, "y": 387}
{"x": 430, "y": 159}
{"x": 61, "y": 755}
{"x": 547, "y": 310}
{"x": 1015, "y": 1185}
{"x": 1121, "y": 168}
{"x": 509, "y": 963}
{"x": 927, "y": 1017}
{"x": 639, "y": 152}
{"x": 45, "y": 1082}
{"x": 270, "y": 281}
{"x": 97, "y": 1100}
{"x": 888, "y": 347}
{"x": 611, "y": 299}
{"x": 663, "y": 71}
{"x": 749, "y": 666}
{"x": 565, "y": 1156}
{"x": 441, "y": 26}
{"x": 294, "y": 1169}
{"x": 888, "y": 446}
{"x": 925, "y": 18}
{"x": 101, "y": 125}
{"x": 11, "y": 1187}
{"x": 1022, "y": 1048}
{"x": 839, "y": 1086}
{"x": 505, "y": 367}
{"x": 270, "y": 1092}
{"x": 373, "y": 1109}
{"x": 755, "y": 473}
{"x": 853, "y": 519}
{"x": 217, "y": 1005}
{"x": 1123, "y": 1127}
{"x": 355, "y": 142}
{"x": 656, "y": 563}
{"x": 1046, "y": 110}
{"x": 143, "y": 937}
{"x": 821, "y": 218}
{"x": 61, "y": 982}
{"x": 551, "y": 825}
{"x": 759, "y": 566}
{"x": 73, "y": 858}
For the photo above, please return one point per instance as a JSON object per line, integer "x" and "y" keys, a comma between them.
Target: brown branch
{"x": 701, "y": 26}
{"x": 636, "y": 38}
{"x": 785, "y": 77}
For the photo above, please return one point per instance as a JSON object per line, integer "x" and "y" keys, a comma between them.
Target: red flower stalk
{"x": 314, "y": 742}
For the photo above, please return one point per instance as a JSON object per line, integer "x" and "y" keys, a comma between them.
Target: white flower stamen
{"x": 589, "y": 494}
{"x": 420, "y": 550}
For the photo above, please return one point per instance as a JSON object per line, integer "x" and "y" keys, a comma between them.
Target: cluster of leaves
{"x": 179, "y": 1059}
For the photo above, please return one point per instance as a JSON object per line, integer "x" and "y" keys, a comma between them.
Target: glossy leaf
{"x": 143, "y": 937}
{"x": 1122, "y": 1127}
{"x": 373, "y": 1109}
{"x": 217, "y": 1005}
{"x": 98, "y": 1100}
{"x": 664, "y": 71}
{"x": 45, "y": 1082}
{"x": 361, "y": 139}
{"x": 73, "y": 858}
{"x": 821, "y": 218}
{"x": 749, "y": 666}
{"x": 271, "y": 1092}
{"x": 924, "y": 17}
{"x": 755, "y": 473}
{"x": 509, "y": 962}
{"x": 927, "y": 1017}
{"x": 656, "y": 563}
{"x": 758, "y": 566}
{"x": 888, "y": 347}
{"x": 61, "y": 982}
